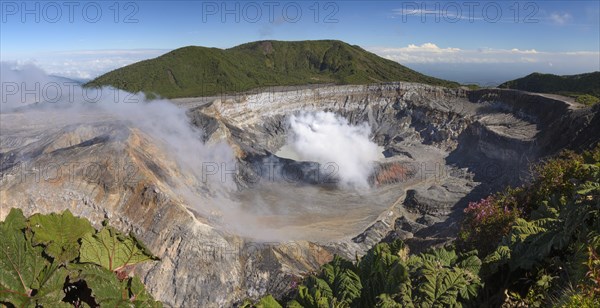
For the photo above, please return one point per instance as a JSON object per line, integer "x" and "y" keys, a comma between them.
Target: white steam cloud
{"x": 59, "y": 101}
{"x": 276, "y": 211}
{"x": 327, "y": 138}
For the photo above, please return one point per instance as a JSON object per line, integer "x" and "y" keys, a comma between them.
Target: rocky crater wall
{"x": 205, "y": 266}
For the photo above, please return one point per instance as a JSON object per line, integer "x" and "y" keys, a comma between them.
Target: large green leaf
{"x": 471, "y": 264}
{"x": 106, "y": 288}
{"x": 51, "y": 282}
{"x": 15, "y": 220}
{"x": 294, "y": 304}
{"x": 405, "y": 294}
{"x": 441, "y": 255}
{"x": 441, "y": 288}
{"x": 316, "y": 293}
{"x": 112, "y": 250}
{"x": 109, "y": 291}
{"x": 382, "y": 270}
{"x": 344, "y": 282}
{"x": 498, "y": 258}
{"x": 319, "y": 286}
{"x": 60, "y": 233}
{"x": 20, "y": 262}
{"x": 347, "y": 286}
{"x": 444, "y": 279}
{"x": 29, "y": 279}
{"x": 386, "y": 301}
{"x": 268, "y": 302}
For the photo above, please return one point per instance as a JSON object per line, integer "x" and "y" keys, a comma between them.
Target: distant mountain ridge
{"x": 569, "y": 85}
{"x": 201, "y": 71}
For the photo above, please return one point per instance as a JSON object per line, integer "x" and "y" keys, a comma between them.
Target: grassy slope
{"x": 200, "y": 71}
{"x": 571, "y": 85}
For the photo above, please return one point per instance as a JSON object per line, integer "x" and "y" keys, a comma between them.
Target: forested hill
{"x": 201, "y": 71}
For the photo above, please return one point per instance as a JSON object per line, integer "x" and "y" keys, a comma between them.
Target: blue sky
{"x": 485, "y": 41}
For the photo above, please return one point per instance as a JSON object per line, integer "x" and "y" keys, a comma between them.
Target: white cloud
{"x": 515, "y": 50}
{"x": 430, "y": 47}
{"x": 488, "y": 66}
{"x": 429, "y": 53}
{"x": 450, "y": 13}
{"x": 560, "y": 18}
{"x": 84, "y": 64}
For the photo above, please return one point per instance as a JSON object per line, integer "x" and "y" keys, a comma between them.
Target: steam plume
{"x": 327, "y": 138}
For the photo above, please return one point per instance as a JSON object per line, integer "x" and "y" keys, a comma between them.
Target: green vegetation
{"x": 473, "y": 86}
{"x": 588, "y": 100}
{"x": 59, "y": 260}
{"x": 200, "y": 71}
{"x": 265, "y": 302}
{"x": 585, "y": 88}
{"x": 540, "y": 245}
{"x": 387, "y": 277}
{"x": 554, "y": 243}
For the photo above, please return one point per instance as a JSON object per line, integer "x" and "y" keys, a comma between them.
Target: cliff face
{"x": 507, "y": 126}
{"x": 412, "y": 110}
{"x": 443, "y": 148}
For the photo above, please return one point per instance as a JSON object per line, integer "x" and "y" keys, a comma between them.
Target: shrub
{"x": 386, "y": 277}
{"x": 486, "y": 222}
{"x": 59, "y": 260}
{"x": 553, "y": 239}
{"x": 588, "y": 100}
